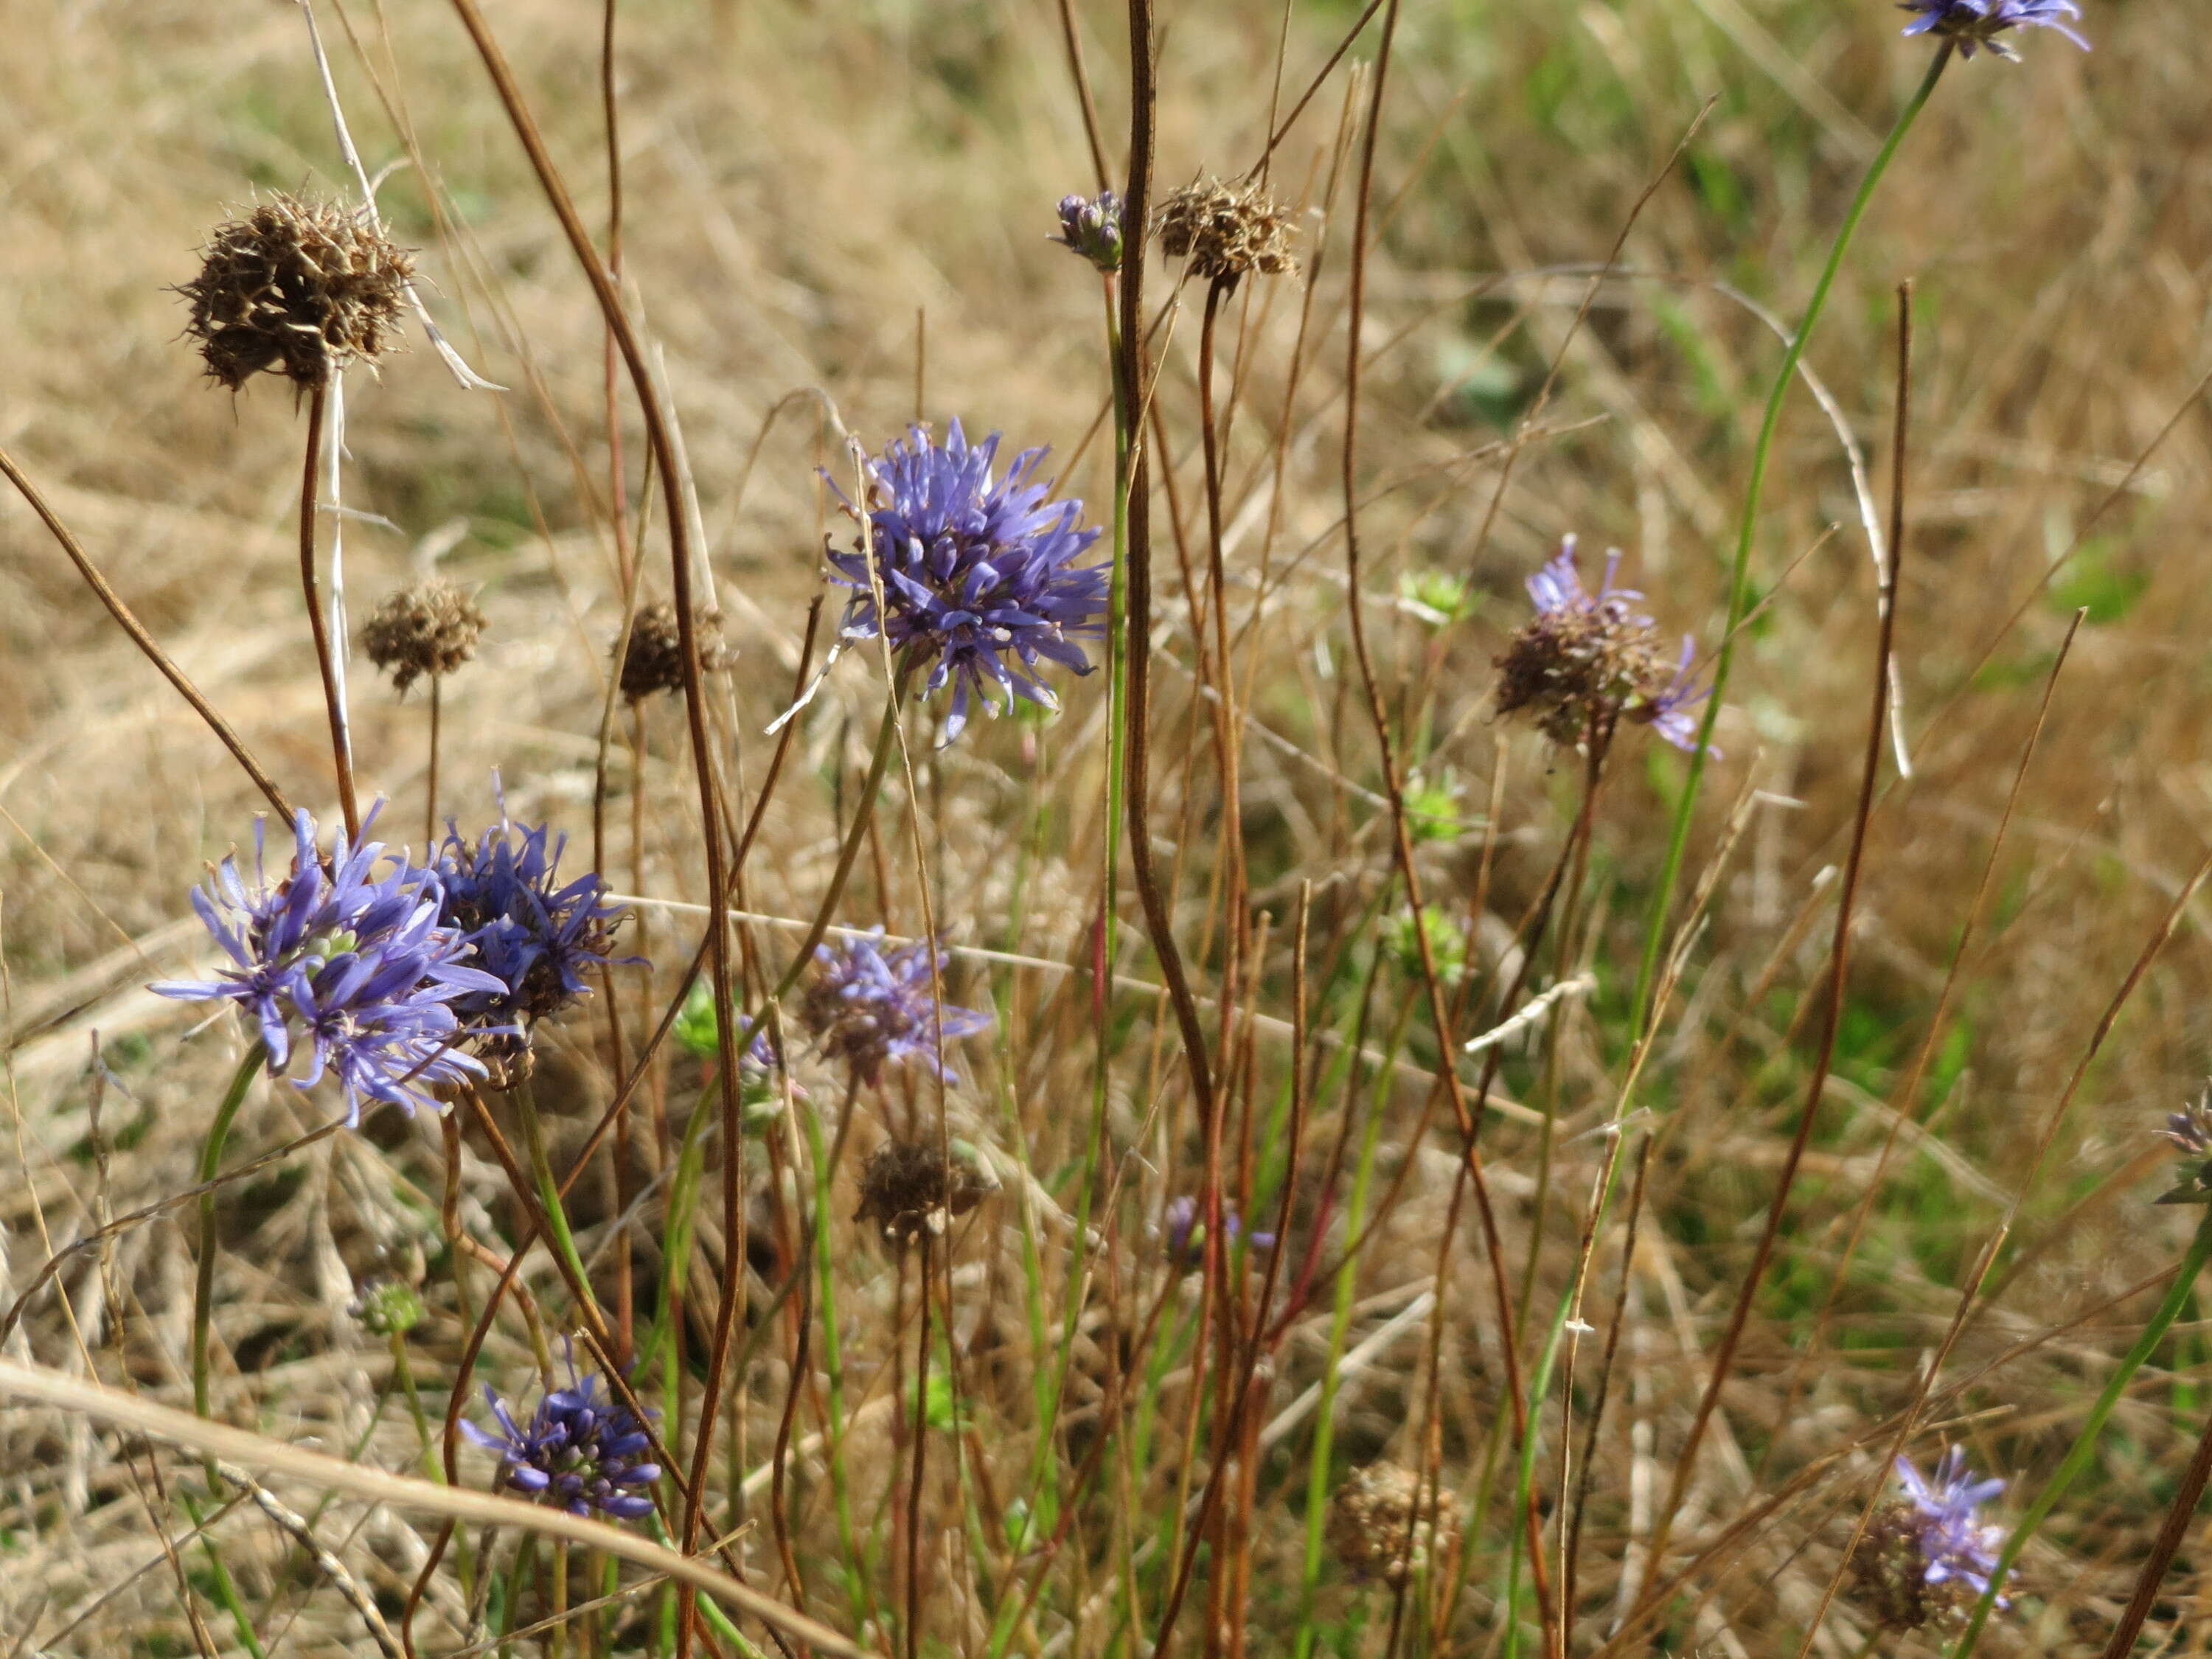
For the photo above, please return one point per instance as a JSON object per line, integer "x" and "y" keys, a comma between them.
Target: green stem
{"x": 524, "y": 1096}
{"x": 203, "y": 1284}
{"x": 2085, "y": 1443}
{"x": 225, "y": 1590}
{"x": 404, "y": 1377}
{"x": 1747, "y": 533}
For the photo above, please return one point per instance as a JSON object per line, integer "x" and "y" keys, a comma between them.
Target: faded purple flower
{"x": 1184, "y": 1230}
{"x": 539, "y": 939}
{"x": 1587, "y": 661}
{"x": 1925, "y": 1559}
{"x": 351, "y": 966}
{"x": 2191, "y": 1131}
{"x": 583, "y": 1450}
{"x": 1977, "y": 23}
{"x": 869, "y": 1007}
{"x": 1092, "y": 229}
{"x": 1954, "y": 1544}
{"x": 978, "y": 574}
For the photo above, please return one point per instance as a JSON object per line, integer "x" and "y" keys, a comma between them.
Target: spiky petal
{"x": 978, "y": 572}
{"x": 1977, "y": 23}
{"x": 345, "y": 966}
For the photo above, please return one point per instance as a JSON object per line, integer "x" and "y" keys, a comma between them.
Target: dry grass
{"x": 804, "y": 188}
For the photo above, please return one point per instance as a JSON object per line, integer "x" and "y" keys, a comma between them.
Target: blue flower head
{"x": 582, "y": 1451}
{"x": 1586, "y": 661}
{"x": 978, "y": 572}
{"x": 869, "y": 1007}
{"x": 345, "y": 963}
{"x": 537, "y": 938}
{"x": 1925, "y": 1559}
{"x": 1092, "y": 229}
{"x": 1976, "y": 23}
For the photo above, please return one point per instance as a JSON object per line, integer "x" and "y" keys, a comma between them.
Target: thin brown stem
{"x": 128, "y": 621}
{"x": 1839, "y": 958}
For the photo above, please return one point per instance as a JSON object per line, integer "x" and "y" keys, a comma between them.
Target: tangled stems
{"x": 2085, "y": 1442}
{"x": 1747, "y": 532}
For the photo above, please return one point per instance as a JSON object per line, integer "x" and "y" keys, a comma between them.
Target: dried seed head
{"x": 1372, "y": 1526}
{"x": 431, "y": 627}
{"x": 299, "y": 289}
{"x": 1222, "y": 231}
{"x": 910, "y": 1187}
{"x": 1889, "y": 1572}
{"x": 655, "y": 659}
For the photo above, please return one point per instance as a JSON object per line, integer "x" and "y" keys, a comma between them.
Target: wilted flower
{"x": 431, "y": 628}
{"x": 1224, "y": 231}
{"x": 910, "y": 1187}
{"x": 582, "y": 1451}
{"x": 978, "y": 573}
{"x": 1183, "y": 1231}
{"x": 653, "y": 658}
{"x": 355, "y": 968}
{"x": 1374, "y": 1522}
{"x": 1586, "y": 661}
{"x": 1975, "y": 23}
{"x": 537, "y": 938}
{"x": 1092, "y": 229}
{"x": 869, "y": 1007}
{"x": 2190, "y": 1130}
{"x": 1924, "y": 1558}
{"x": 300, "y": 288}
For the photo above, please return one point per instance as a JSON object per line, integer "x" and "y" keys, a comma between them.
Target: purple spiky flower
{"x": 1092, "y": 229}
{"x": 1926, "y": 1558}
{"x": 345, "y": 961}
{"x": 1184, "y": 1229}
{"x": 583, "y": 1450}
{"x": 1586, "y": 661}
{"x": 2191, "y": 1132}
{"x": 1977, "y": 23}
{"x": 538, "y": 938}
{"x": 869, "y": 1007}
{"x": 978, "y": 573}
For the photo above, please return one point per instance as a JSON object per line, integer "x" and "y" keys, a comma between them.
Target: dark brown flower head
{"x": 1222, "y": 231}
{"x": 655, "y": 659}
{"x": 1585, "y": 661}
{"x": 1889, "y": 1574}
{"x": 431, "y": 627}
{"x": 910, "y": 1187}
{"x": 1372, "y": 1526}
{"x": 298, "y": 288}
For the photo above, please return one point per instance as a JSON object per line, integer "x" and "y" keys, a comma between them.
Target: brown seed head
{"x": 909, "y": 1188}
{"x": 431, "y": 627}
{"x": 1889, "y": 1573}
{"x": 1372, "y": 1526}
{"x": 653, "y": 660}
{"x": 299, "y": 289}
{"x": 1222, "y": 231}
{"x": 1566, "y": 670}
